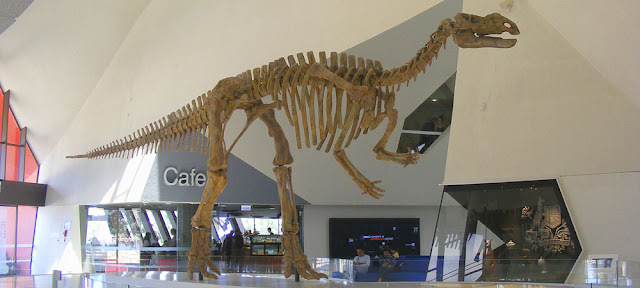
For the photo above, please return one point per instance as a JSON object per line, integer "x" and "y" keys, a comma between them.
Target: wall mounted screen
{"x": 373, "y": 235}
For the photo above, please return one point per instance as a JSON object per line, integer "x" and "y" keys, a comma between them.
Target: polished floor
{"x": 179, "y": 280}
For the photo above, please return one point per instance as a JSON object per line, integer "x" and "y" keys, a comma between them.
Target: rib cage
{"x": 316, "y": 104}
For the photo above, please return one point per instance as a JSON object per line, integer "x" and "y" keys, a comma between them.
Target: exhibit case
{"x": 515, "y": 231}
{"x": 266, "y": 245}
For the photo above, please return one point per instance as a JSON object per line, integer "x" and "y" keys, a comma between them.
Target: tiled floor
{"x": 179, "y": 280}
{"x": 42, "y": 281}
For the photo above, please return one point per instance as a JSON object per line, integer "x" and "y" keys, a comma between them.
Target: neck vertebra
{"x": 423, "y": 58}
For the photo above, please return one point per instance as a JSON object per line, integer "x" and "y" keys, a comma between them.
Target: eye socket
{"x": 506, "y": 24}
{"x": 476, "y": 34}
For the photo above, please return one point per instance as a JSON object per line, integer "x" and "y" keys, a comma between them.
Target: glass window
{"x": 222, "y": 225}
{"x": 12, "y": 165}
{"x": 261, "y": 226}
{"x": 13, "y": 132}
{"x": 427, "y": 122}
{"x": 30, "y": 167}
{"x": 109, "y": 245}
{"x": 167, "y": 218}
{"x": 157, "y": 228}
{"x": 7, "y": 240}
{"x": 12, "y": 146}
{"x": 25, "y": 231}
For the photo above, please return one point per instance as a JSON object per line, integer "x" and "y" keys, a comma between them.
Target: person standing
{"x": 237, "y": 243}
{"x": 145, "y": 254}
{"x": 172, "y": 241}
{"x": 227, "y": 248}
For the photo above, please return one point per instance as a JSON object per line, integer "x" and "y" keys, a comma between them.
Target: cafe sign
{"x": 174, "y": 177}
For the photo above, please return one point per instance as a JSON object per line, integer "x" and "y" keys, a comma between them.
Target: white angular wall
{"x": 549, "y": 114}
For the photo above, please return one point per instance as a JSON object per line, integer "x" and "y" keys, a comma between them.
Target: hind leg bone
{"x": 293, "y": 254}
{"x": 200, "y": 250}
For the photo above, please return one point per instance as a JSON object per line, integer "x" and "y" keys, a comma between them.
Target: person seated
{"x": 387, "y": 265}
{"x": 394, "y": 252}
{"x": 361, "y": 262}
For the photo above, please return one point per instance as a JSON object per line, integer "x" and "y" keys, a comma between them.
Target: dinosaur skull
{"x": 470, "y": 31}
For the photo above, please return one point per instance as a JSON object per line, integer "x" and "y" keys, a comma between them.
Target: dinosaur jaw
{"x": 469, "y": 39}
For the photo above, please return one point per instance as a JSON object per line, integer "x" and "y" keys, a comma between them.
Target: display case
{"x": 265, "y": 245}
{"x": 501, "y": 232}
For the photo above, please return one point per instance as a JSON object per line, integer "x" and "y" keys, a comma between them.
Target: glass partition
{"x": 7, "y": 240}
{"x": 517, "y": 231}
{"x": 132, "y": 237}
{"x": 156, "y": 236}
{"x": 17, "y": 225}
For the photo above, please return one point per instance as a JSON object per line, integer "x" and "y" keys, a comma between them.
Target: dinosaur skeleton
{"x": 334, "y": 99}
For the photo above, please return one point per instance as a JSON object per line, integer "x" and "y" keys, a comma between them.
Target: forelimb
{"x": 367, "y": 186}
{"x": 383, "y": 154}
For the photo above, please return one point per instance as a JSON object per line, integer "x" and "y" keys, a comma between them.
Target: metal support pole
{"x": 15, "y": 247}
{"x": 300, "y": 237}
{"x": 22, "y": 152}
{"x": 3, "y": 135}
{"x": 56, "y": 276}
{"x": 86, "y": 277}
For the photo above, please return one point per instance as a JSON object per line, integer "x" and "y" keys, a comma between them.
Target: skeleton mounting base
{"x": 331, "y": 100}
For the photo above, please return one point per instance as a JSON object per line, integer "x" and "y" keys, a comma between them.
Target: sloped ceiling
{"x": 10, "y": 10}
{"x": 52, "y": 57}
{"x": 603, "y": 32}
{"x": 56, "y": 53}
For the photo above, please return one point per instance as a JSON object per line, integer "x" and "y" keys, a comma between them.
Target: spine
{"x": 182, "y": 130}
{"x": 423, "y": 58}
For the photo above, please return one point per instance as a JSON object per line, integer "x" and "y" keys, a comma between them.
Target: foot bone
{"x": 200, "y": 252}
{"x": 294, "y": 257}
{"x": 403, "y": 159}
